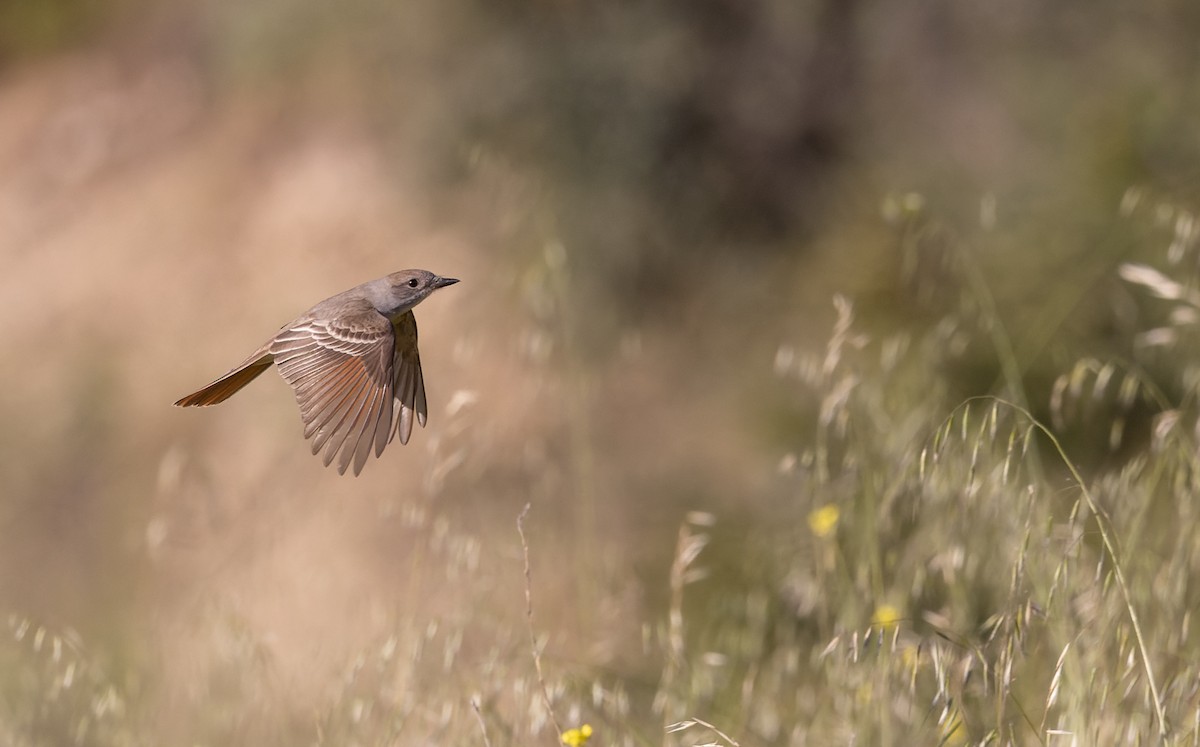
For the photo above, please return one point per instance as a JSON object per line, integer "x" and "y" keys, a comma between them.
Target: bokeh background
{"x": 652, "y": 207}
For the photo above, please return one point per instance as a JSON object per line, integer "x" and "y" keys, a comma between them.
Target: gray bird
{"x": 352, "y": 361}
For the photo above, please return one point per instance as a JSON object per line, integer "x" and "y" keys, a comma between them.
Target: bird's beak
{"x": 443, "y": 282}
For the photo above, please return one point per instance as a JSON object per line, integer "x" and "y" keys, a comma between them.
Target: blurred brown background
{"x": 645, "y": 202}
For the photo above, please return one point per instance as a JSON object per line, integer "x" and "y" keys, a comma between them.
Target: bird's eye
{"x": 413, "y": 283}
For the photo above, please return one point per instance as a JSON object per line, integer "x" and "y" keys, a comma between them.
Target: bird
{"x": 353, "y": 365}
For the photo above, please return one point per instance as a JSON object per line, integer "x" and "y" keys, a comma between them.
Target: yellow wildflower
{"x": 577, "y": 737}
{"x": 824, "y": 520}
{"x": 886, "y": 616}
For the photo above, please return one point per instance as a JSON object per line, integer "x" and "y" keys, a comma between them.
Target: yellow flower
{"x": 886, "y": 616}
{"x": 577, "y": 737}
{"x": 824, "y": 520}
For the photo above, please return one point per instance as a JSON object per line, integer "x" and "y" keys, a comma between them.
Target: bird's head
{"x": 400, "y": 291}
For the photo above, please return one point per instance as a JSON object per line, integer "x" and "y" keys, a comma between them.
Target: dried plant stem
{"x": 482, "y": 726}
{"x": 687, "y": 549}
{"x": 1104, "y": 523}
{"x": 537, "y": 654}
{"x": 693, "y": 721}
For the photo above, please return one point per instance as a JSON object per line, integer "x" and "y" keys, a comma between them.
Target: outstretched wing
{"x": 409, "y": 384}
{"x": 344, "y": 374}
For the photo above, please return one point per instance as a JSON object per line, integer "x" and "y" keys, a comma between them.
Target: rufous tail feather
{"x": 226, "y": 386}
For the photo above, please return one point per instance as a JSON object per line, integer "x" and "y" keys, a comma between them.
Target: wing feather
{"x": 342, "y": 373}
{"x": 409, "y": 384}
{"x": 328, "y": 394}
{"x": 336, "y": 419}
{"x": 351, "y": 425}
{"x": 364, "y": 433}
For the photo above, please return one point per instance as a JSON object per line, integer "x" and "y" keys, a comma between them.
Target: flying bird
{"x": 353, "y": 364}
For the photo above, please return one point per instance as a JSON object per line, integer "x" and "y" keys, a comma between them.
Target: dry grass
{"x": 962, "y": 593}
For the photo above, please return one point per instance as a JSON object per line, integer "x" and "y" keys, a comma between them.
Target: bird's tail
{"x": 226, "y": 386}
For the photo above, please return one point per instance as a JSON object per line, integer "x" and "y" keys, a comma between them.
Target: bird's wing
{"x": 343, "y": 374}
{"x": 409, "y": 384}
